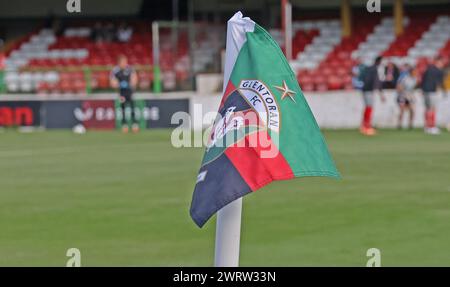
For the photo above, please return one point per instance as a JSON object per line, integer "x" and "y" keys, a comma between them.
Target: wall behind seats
{"x": 42, "y": 8}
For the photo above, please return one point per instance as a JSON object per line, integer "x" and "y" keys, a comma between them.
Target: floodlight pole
{"x": 156, "y": 67}
{"x": 287, "y": 28}
{"x": 228, "y": 235}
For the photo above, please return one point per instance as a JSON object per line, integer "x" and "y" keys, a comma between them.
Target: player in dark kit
{"x": 124, "y": 78}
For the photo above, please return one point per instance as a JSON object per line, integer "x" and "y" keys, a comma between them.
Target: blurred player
{"x": 372, "y": 83}
{"x": 405, "y": 88}
{"x": 358, "y": 75}
{"x": 432, "y": 81}
{"x": 124, "y": 78}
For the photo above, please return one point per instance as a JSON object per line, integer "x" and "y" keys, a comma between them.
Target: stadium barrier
{"x": 343, "y": 109}
{"x": 332, "y": 110}
{"x": 93, "y": 113}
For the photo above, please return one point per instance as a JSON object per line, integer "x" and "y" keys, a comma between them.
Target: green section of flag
{"x": 300, "y": 139}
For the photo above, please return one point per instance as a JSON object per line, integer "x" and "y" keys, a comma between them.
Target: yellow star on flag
{"x": 286, "y": 91}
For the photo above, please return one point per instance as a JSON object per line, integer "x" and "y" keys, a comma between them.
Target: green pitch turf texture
{"x": 123, "y": 200}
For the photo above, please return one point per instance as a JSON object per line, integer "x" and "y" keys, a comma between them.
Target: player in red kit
{"x": 432, "y": 82}
{"x": 371, "y": 84}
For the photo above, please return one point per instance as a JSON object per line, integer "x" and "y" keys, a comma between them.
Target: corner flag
{"x": 265, "y": 130}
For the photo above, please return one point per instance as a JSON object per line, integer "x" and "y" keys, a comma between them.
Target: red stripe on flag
{"x": 228, "y": 90}
{"x": 255, "y": 170}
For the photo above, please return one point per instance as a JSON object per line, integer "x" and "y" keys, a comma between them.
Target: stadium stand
{"x": 332, "y": 65}
{"x": 74, "y": 62}
{"x": 329, "y": 67}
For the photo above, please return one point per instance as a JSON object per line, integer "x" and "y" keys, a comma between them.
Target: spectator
{"x": 109, "y": 32}
{"x": 124, "y": 33}
{"x": 103, "y": 33}
{"x": 97, "y": 32}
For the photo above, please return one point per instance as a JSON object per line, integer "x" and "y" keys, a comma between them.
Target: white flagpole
{"x": 228, "y": 226}
{"x": 228, "y": 235}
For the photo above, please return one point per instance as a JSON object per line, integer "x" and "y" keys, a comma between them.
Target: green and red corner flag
{"x": 265, "y": 130}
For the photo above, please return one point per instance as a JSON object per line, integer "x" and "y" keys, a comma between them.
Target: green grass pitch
{"x": 124, "y": 200}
